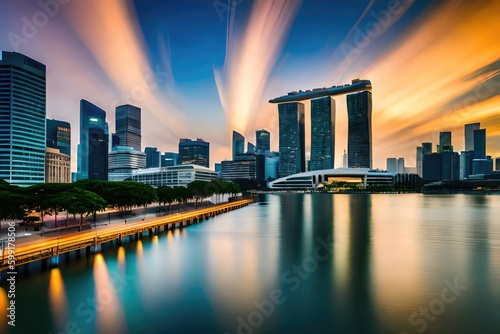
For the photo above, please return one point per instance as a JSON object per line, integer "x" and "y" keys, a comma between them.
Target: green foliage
{"x": 12, "y": 205}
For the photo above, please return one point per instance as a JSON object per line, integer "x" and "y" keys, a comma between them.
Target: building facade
{"x": 93, "y": 147}
{"x": 322, "y": 133}
{"x": 238, "y": 144}
{"x": 469, "y": 135}
{"x": 22, "y": 119}
{"x": 359, "y": 136}
{"x": 173, "y": 176}
{"x": 169, "y": 159}
{"x": 152, "y": 157}
{"x": 262, "y": 141}
{"x": 128, "y": 126}
{"x": 194, "y": 152}
{"x": 59, "y": 136}
{"x": 291, "y": 138}
{"x": 57, "y": 166}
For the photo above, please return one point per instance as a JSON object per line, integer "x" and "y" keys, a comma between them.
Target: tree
{"x": 166, "y": 194}
{"x": 12, "y": 205}
{"x": 199, "y": 190}
{"x": 181, "y": 195}
{"x": 84, "y": 202}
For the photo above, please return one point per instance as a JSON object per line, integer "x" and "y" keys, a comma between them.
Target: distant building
{"x": 359, "y": 141}
{"x": 426, "y": 148}
{"x": 271, "y": 164}
{"x": 59, "y": 136}
{"x": 169, "y": 159}
{"x": 152, "y": 157}
{"x": 57, "y": 166}
{"x": 419, "y": 158}
{"x": 322, "y": 133}
{"x": 466, "y": 158}
{"x": 173, "y": 176}
{"x": 291, "y": 138}
{"x": 194, "y": 152}
{"x": 469, "y": 135}
{"x": 441, "y": 166}
{"x": 218, "y": 169}
{"x": 123, "y": 159}
{"x": 128, "y": 126}
{"x": 401, "y": 165}
{"x": 93, "y": 147}
{"x": 238, "y": 144}
{"x": 250, "y": 148}
{"x": 482, "y": 166}
{"x": 245, "y": 166}
{"x": 480, "y": 144}
{"x": 22, "y": 119}
{"x": 445, "y": 142}
{"x": 262, "y": 141}
{"x": 497, "y": 163}
{"x": 392, "y": 165}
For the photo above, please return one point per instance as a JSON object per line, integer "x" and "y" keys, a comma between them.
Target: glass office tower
{"x": 262, "y": 141}
{"x": 291, "y": 138}
{"x": 322, "y": 133}
{"x": 194, "y": 152}
{"x": 128, "y": 126}
{"x": 359, "y": 137}
{"x": 93, "y": 147}
{"x": 238, "y": 144}
{"x": 22, "y": 119}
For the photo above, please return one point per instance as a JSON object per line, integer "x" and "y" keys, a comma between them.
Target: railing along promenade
{"x": 49, "y": 247}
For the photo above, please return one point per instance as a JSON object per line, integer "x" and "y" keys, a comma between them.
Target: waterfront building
{"x": 173, "y": 176}
{"x": 359, "y": 141}
{"x": 123, "y": 159}
{"x": 322, "y": 133}
{"x": 22, "y": 119}
{"x": 482, "y": 166}
{"x": 128, "y": 126}
{"x": 93, "y": 147}
{"x": 57, "y": 166}
{"x": 291, "y": 138}
{"x": 441, "y": 166}
{"x": 245, "y": 166}
{"x": 194, "y": 152}
{"x": 152, "y": 157}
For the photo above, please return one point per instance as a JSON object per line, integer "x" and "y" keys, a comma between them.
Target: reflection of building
{"x": 128, "y": 126}
{"x": 291, "y": 138}
{"x": 238, "y": 144}
{"x": 57, "y": 166}
{"x": 194, "y": 152}
{"x": 172, "y": 176}
{"x": 152, "y": 157}
{"x": 359, "y": 141}
{"x": 322, "y": 133}
{"x": 169, "y": 159}
{"x": 262, "y": 141}
{"x": 93, "y": 147}
{"x": 22, "y": 119}
{"x": 311, "y": 180}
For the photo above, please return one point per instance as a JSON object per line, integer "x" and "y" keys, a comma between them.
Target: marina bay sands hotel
{"x": 292, "y": 130}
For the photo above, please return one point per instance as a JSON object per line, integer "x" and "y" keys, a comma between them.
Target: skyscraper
{"x": 419, "y": 158}
{"x": 469, "y": 135}
{"x": 59, "y": 136}
{"x": 238, "y": 144}
{"x": 128, "y": 126}
{"x": 22, "y": 119}
{"x": 262, "y": 141}
{"x": 426, "y": 148}
{"x": 291, "y": 138}
{"x": 250, "y": 148}
{"x": 359, "y": 142}
{"x": 445, "y": 142}
{"x": 93, "y": 147}
{"x": 194, "y": 152}
{"x": 152, "y": 157}
{"x": 322, "y": 133}
{"x": 480, "y": 144}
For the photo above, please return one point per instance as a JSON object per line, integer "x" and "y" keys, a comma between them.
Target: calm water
{"x": 292, "y": 263}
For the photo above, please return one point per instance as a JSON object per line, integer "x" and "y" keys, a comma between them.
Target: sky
{"x": 203, "y": 68}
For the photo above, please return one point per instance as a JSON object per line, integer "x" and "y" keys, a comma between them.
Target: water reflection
{"x": 58, "y": 299}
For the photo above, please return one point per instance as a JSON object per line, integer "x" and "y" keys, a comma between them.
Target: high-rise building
{"x": 194, "y": 152}
{"x": 291, "y": 138}
{"x": 128, "y": 126}
{"x": 93, "y": 147}
{"x": 123, "y": 159}
{"x": 262, "y": 141}
{"x": 445, "y": 142}
{"x": 152, "y": 157}
{"x": 238, "y": 144}
{"x": 401, "y": 165}
{"x": 441, "y": 166}
{"x": 169, "y": 159}
{"x": 480, "y": 144}
{"x": 57, "y": 166}
{"x": 466, "y": 158}
{"x": 59, "y": 136}
{"x": 497, "y": 163}
{"x": 322, "y": 133}
{"x": 250, "y": 148}
{"x": 392, "y": 165}
{"x": 419, "y": 158}
{"x": 359, "y": 141}
{"x": 22, "y": 119}
{"x": 426, "y": 148}
{"x": 469, "y": 135}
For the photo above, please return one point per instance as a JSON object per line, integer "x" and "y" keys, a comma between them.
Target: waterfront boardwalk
{"x": 48, "y": 247}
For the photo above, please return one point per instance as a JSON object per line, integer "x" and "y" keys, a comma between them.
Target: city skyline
{"x": 395, "y": 58}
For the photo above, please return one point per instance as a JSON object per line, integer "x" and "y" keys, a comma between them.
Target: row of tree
{"x": 87, "y": 197}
